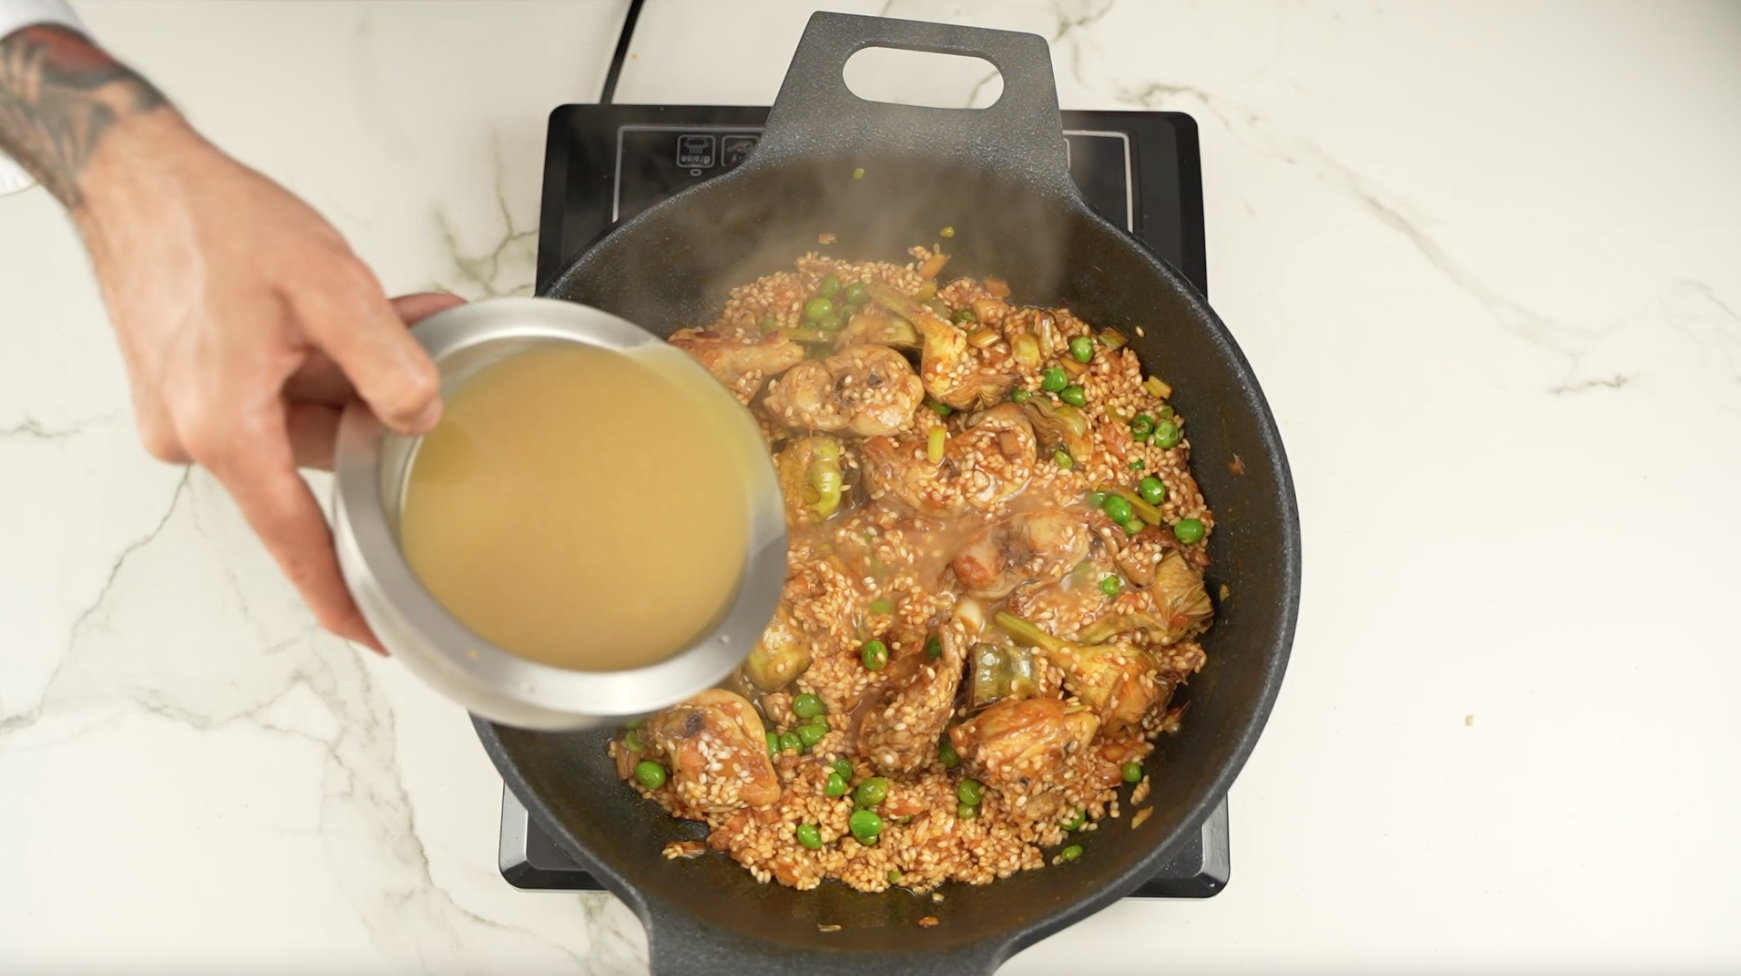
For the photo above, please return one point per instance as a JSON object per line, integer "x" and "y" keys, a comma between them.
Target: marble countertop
{"x": 1486, "y": 260}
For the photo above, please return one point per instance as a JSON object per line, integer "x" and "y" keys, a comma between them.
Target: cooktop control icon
{"x": 695, "y": 151}
{"x": 735, "y": 149}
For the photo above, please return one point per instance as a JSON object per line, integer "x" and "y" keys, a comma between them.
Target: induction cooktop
{"x": 606, "y": 163}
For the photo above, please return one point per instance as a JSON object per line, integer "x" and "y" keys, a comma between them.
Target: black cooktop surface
{"x": 606, "y": 163}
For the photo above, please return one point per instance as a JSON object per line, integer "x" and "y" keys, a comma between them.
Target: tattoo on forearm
{"x": 59, "y": 94}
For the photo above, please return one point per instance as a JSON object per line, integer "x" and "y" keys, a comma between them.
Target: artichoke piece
{"x": 1059, "y": 425}
{"x": 1001, "y": 672}
{"x": 781, "y": 655}
{"x": 810, "y": 478}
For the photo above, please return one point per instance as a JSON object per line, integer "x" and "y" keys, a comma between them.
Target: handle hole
{"x": 923, "y": 78}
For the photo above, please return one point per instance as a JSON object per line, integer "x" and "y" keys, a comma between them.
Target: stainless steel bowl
{"x": 370, "y": 468}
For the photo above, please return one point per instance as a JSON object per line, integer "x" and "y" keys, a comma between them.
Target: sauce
{"x": 582, "y": 507}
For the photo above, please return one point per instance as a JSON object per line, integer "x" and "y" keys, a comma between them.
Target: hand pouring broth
{"x": 581, "y": 507}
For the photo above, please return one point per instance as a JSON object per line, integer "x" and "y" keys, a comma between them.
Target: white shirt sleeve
{"x": 15, "y": 14}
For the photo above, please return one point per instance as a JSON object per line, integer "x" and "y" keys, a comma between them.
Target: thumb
{"x": 345, "y": 313}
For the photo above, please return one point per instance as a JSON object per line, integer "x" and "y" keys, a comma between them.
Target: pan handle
{"x": 817, "y": 116}
{"x": 679, "y": 944}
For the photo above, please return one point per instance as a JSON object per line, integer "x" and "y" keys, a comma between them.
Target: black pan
{"x": 998, "y": 176}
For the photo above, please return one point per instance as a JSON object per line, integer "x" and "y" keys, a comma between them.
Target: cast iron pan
{"x": 998, "y": 175}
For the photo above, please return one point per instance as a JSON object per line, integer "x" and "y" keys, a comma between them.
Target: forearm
{"x": 61, "y": 98}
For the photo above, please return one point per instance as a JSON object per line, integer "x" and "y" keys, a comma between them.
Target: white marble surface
{"x": 1486, "y": 259}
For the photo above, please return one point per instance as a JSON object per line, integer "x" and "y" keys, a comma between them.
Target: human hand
{"x": 246, "y": 324}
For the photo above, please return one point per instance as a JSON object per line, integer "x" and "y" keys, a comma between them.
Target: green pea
{"x": 1077, "y": 819}
{"x": 809, "y": 836}
{"x": 1166, "y": 434}
{"x": 808, "y": 706}
{"x": 1165, "y": 413}
{"x": 946, "y": 753}
{"x": 871, "y": 792}
{"x": 865, "y": 826}
{"x": 1188, "y": 530}
{"x": 1020, "y": 395}
{"x": 632, "y": 740}
{"x": 858, "y": 174}
{"x": 1097, "y": 498}
{"x": 1054, "y": 379}
{"x": 836, "y": 785}
{"x": 933, "y": 647}
{"x": 969, "y": 791}
{"x": 1141, "y": 426}
{"x": 966, "y": 811}
{"x": 843, "y": 767}
{"x": 1110, "y": 586}
{"x": 947, "y": 231}
{"x": 1132, "y": 772}
{"x": 790, "y": 740}
{"x": 1116, "y": 508}
{"x": 1152, "y": 490}
{"x": 829, "y": 323}
{"x": 773, "y": 743}
{"x": 856, "y": 293}
{"x": 1073, "y": 395}
{"x": 874, "y": 655}
{"x": 894, "y": 876}
{"x": 964, "y": 316}
{"x": 769, "y": 323}
{"x": 1063, "y": 459}
{"x": 828, "y": 287}
{"x": 1134, "y": 526}
{"x": 811, "y": 733}
{"x": 941, "y": 409}
{"x": 1136, "y": 465}
{"x": 1082, "y": 349}
{"x": 650, "y": 774}
{"x": 1071, "y": 853}
{"x": 880, "y": 605}
{"x": 816, "y": 308}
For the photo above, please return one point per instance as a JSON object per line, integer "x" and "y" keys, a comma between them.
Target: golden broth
{"x": 581, "y": 507}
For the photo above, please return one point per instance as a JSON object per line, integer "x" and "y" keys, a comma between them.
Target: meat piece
{"x": 717, "y": 751}
{"x": 783, "y": 653}
{"x": 984, "y": 465}
{"x": 1016, "y": 744}
{"x": 1118, "y": 681}
{"x": 1033, "y": 547}
{"x": 954, "y": 372}
{"x": 741, "y": 366}
{"x": 1174, "y": 606}
{"x": 863, "y": 390}
{"x": 900, "y": 726}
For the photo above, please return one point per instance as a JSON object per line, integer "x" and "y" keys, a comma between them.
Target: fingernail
{"x": 427, "y": 420}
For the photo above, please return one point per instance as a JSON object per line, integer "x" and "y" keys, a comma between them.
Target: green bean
{"x": 865, "y": 826}
{"x": 650, "y": 774}
{"x": 969, "y": 791}
{"x": 872, "y": 792}
{"x": 808, "y": 706}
